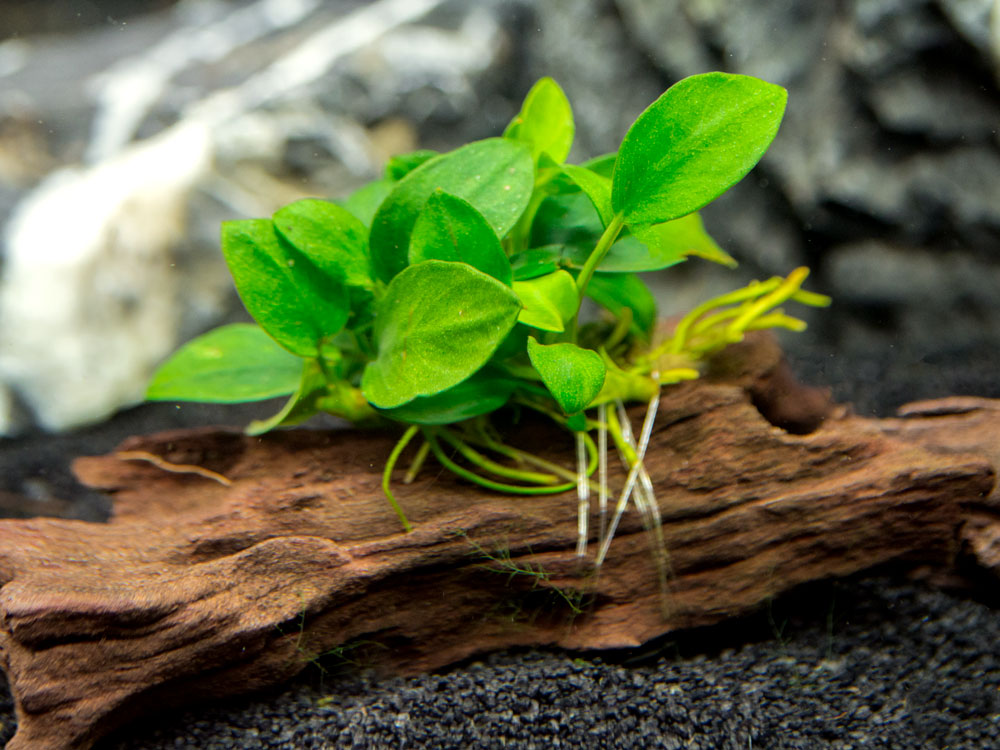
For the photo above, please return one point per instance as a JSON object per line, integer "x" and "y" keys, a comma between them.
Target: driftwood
{"x": 231, "y": 574}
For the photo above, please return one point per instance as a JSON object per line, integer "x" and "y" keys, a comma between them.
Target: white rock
{"x": 87, "y": 297}
{"x": 88, "y": 301}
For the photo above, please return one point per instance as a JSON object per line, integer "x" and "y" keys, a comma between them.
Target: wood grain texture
{"x": 198, "y": 590}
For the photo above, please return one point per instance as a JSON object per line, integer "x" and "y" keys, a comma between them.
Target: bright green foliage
{"x": 302, "y": 405}
{"x": 437, "y": 324}
{"x": 673, "y": 241}
{"x": 573, "y": 375}
{"x": 401, "y": 165}
{"x": 449, "y": 228}
{"x": 452, "y": 287}
{"x": 595, "y": 187}
{"x": 545, "y": 122}
{"x": 293, "y": 294}
{"x": 495, "y": 176}
{"x": 364, "y": 202}
{"x": 693, "y": 143}
{"x": 621, "y": 292}
{"x": 229, "y": 365}
{"x": 329, "y": 236}
{"x": 482, "y": 393}
{"x": 549, "y": 301}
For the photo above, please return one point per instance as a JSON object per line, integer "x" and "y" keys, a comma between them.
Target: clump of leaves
{"x": 451, "y": 288}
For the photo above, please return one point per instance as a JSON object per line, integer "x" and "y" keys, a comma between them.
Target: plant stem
{"x": 489, "y": 484}
{"x": 477, "y": 458}
{"x": 417, "y": 464}
{"x": 387, "y": 473}
{"x": 529, "y": 458}
{"x": 596, "y": 256}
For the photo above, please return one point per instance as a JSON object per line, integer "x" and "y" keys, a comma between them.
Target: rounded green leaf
{"x": 333, "y": 239}
{"x": 496, "y": 176}
{"x": 482, "y": 393}
{"x": 573, "y": 375}
{"x": 295, "y": 296}
{"x": 437, "y": 324}
{"x": 450, "y": 228}
{"x": 232, "y": 364}
{"x": 545, "y": 122}
{"x": 694, "y": 143}
{"x": 549, "y": 301}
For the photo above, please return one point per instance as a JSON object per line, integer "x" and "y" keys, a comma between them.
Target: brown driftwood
{"x": 231, "y": 561}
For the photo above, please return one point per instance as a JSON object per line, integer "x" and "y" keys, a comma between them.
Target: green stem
{"x": 387, "y": 473}
{"x": 417, "y": 464}
{"x": 489, "y": 483}
{"x": 596, "y": 256}
{"x": 529, "y": 458}
{"x": 475, "y": 457}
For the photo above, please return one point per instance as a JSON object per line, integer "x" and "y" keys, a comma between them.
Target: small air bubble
{"x": 291, "y": 262}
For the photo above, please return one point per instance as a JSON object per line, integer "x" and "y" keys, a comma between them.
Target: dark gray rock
{"x": 890, "y": 138}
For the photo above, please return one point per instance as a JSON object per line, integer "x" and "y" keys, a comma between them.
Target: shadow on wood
{"x": 231, "y": 576}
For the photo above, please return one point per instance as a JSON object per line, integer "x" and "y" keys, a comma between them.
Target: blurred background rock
{"x": 130, "y": 130}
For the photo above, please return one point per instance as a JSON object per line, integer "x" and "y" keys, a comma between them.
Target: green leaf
{"x": 603, "y": 165}
{"x": 298, "y": 303}
{"x": 568, "y": 219}
{"x": 330, "y": 236}
{"x": 694, "y": 143}
{"x": 364, "y": 202}
{"x": 302, "y": 405}
{"x": 402, "y": 164}
{"x": 437, "y": 324}
{"x": 449, "y": 228}
{"x": 596, "y": 187}
{"x": 673, "y": 241}
{"x": 514, "y": 344}
{"x": 481, "y": 393}
{"x": 616, "y": 291}
{"x": 573, "y": 375}
{"x": 496, "y": 176}
{"x": 567, "y": 227}
{"x": 630, "y": 255}
{"x": 549, "y": 301}
{"x": 535, "y": 262}
{"x": 545, "y": 122}
{"x": 232, "y": 364}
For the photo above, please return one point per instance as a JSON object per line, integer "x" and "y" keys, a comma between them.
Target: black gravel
{"x": 873, "y": 662}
